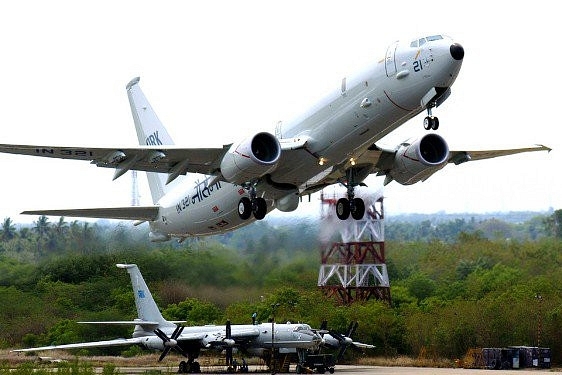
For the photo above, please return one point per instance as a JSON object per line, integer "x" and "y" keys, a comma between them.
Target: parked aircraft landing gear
{"x": 189, "y": 367}
{"x": 254, "y": 204}
{"x": 430, "y": 121}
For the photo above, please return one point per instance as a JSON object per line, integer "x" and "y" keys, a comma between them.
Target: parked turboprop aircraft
{"x": 335, "y": 142}
{"x": 152, "y": 331}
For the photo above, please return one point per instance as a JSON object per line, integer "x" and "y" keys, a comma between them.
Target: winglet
{"x": 133, "y": 82}
{"x": 544, "y": 148}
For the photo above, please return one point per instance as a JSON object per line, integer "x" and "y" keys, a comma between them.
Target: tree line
{"x": 476, "y": 288}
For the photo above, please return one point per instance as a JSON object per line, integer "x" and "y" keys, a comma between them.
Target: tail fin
{"x": 146, "y": 306}
{"x": 150, "y": 131}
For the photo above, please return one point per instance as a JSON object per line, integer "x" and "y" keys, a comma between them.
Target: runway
{"x": 362, "y": 370}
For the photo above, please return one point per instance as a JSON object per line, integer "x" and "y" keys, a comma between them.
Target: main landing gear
{"x": 430, "y": 121}
{"x": 254, "y": 204}
{"x": 350, "y": 205}
{"x": 189, "y": 367}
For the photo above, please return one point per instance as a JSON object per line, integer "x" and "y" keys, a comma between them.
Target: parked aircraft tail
{"x": 150, "y": 131}
{"x": 147, "y": 309}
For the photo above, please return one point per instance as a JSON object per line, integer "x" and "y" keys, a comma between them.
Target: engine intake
{"x": 418, "y": 160}
{"x": 251, "y": 158}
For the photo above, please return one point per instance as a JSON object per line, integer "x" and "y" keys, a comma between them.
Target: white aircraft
{"x": 154, "y": 332}
{"x": 335, "y": 142}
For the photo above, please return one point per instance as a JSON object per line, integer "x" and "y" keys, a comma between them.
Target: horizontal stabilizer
{"x": 125, "y": 322}
{"x": 148, "y": 213}
{"x": 134, "y": 322}
{"x": 95, "y": 344}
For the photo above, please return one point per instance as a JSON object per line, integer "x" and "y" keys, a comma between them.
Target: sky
{"x": 218, "y": 71}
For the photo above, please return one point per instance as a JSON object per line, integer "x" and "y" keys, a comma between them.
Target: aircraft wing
{"x": 165, "y": 159}
{"x": 219, "y": 339}
{"x": 147, "y": 213}
{"x": 361, "y": 345}
{"x": 382, "y": 159}
{"x": 458, "y": 157}
{"x": 93, "y": 344}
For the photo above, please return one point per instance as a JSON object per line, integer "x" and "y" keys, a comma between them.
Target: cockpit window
{"x": 302, "y": 327}
{"x": 434, "y": 37}
{"x": 420, "y": 42}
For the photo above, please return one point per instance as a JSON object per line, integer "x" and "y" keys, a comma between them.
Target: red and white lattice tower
{"x": 353, "y": 264}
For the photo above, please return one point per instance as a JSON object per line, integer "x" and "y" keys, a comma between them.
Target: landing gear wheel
{"x": 260, "y": 208}
{"x": 299, "y": 369}
{"x": 244, "y": 208}
{"x": 182, "y": 367}
{"x": 431, "y": 122}
{"x": 435, "y": 125}
{"x": 357, "y": 208}
{"x": 342, "y": 208}
{"x": 195, "y": 368}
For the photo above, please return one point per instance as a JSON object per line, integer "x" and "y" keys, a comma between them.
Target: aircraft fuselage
{"x": 364, "y": 108}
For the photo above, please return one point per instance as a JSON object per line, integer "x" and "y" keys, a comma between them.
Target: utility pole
{"x": 539, "y": 320}
{"x": 273, "y": 307}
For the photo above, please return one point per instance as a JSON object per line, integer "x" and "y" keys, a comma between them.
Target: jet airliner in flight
{"x": 333, "y": 143}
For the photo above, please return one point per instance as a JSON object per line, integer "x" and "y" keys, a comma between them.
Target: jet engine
{"x": 251, "y": 158}
{"x": 418, "y": 160}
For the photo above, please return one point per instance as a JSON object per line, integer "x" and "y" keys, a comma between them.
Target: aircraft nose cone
{"x": 457, "y": 52}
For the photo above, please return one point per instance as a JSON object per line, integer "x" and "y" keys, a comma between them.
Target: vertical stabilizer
{"x": 146, "y": 306}
{"x": 150, "y": 131}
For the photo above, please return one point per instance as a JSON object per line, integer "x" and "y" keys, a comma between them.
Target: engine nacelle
{"x": 251, "y": 158}
{"x": 418, "y": 160}
{"x": 153, "y": 343}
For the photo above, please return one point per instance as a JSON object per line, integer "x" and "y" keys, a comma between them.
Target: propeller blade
{"x": 164, "y": 353}
{"x": 337, "y": 336}
{"x": 177, "y": 332}
{"x": 161, "y": 335}
{"x": 341, "y": 352}
{"x": 349, "y": 329}
{"x": 353, "y": 326}
{"x": 229, "y": 348}
{"x": 228, "y": 330}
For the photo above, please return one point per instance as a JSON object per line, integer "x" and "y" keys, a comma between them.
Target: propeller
{"x": 229, "y": 347}
{"x": 346, "y": 340}
{"x": 170, "y": 342}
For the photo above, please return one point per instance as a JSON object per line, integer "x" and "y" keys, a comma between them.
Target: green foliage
{"x": 194, "y": 312}
{"x": 420, "y": 286}
{"x": 455, "y": 285}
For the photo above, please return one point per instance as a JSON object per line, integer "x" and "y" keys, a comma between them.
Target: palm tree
{"x": 42, "y": 228}
{"x": 61, "y": 227}
{"x": 8, "y": 230}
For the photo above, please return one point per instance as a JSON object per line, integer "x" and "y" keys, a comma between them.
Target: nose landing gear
{"x": 430, "y": 121}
